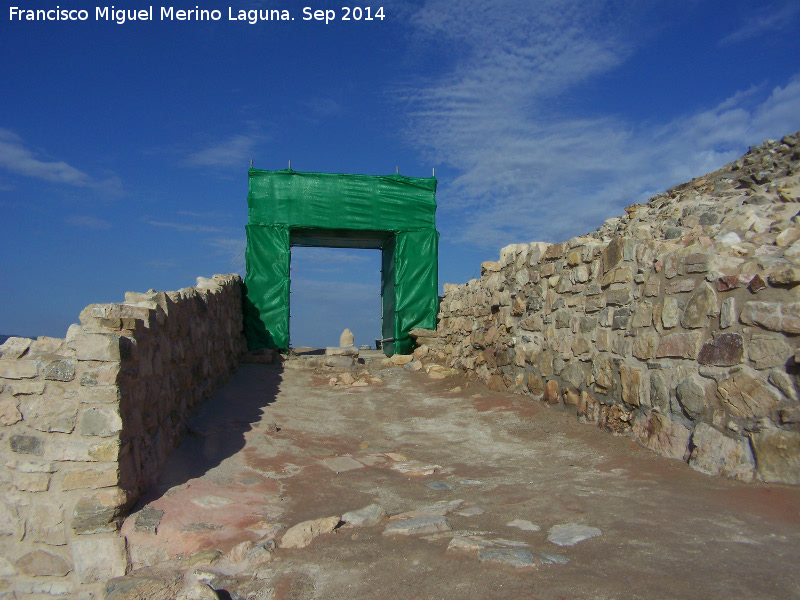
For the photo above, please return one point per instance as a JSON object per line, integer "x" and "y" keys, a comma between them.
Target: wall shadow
{"x": 216, "y": 430}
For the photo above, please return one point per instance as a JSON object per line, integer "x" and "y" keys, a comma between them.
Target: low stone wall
{"x": 677, "y": 323}
{"x": 86, "y": 421}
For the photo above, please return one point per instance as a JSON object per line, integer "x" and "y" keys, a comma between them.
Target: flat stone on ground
{"x": 418, "y": 525}
{"x": 514, "y": 557}
{"x": 570, "y": 534}
{"x": 523, "y": 524}
{"x": 339, "y": 464}
{"x": 365, "y": 517}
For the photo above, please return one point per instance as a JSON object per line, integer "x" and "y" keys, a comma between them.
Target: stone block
{"x": 662, "y": 435}
{"x": 680, "y": 286}
{"x": 691, "y": 393}
{"x": 9, "y": 412}
{"x": 768, "y": 351}
{"x": 15, "y": 347}
{"x": 551, "y": 392}
{"x": 701, "y": 306}
{"x": 31, "y": 482}
{"x": 100, "y": 421}
{"x": 765, "y": 314}
{"x": 644, "y": 314}
{"x": 25, "y": 388}
{"x": 746, "y": 396}
{"x": 98, "y": 559}
{"x": 630, "y": 377}
{"x": 98, "y": 513}
{"x": 716, "y": 454}
{"x": 92, "y": 478}
{"x": 18, "y": 369}
{"x": 26, "y": 444}
{"x": 727, "y": 313}
{"x": 103, "y": 347}
{"x": 602, "y": 371}
{"x": 645, "y": 344}
{"x": 60, "y": 370}
{"x": 724, "y": 350}
{"x": 46, "y": 524}
{"x": 678, "y": 345}
{"x": 40, "y": 563}
{"x": 777, "y": 455}
{"x": 10, "y": 523}
{"x": 50, "y": 414}
{"x": 612, "y": 254}
{"x": 535, "y": 384}
{"x": 618, "y": 297}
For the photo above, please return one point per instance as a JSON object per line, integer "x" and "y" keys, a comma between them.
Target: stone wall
{"x": 86, "y": 421}
{"x": 676, "y": 323}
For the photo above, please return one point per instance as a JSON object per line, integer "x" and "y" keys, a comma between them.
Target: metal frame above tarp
{"x": 393, "y": 213}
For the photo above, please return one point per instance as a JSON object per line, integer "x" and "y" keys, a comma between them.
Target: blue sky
{"x": 124, "y": 148}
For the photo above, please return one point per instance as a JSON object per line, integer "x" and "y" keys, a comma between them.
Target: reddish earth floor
{"x": 494, "y": 477}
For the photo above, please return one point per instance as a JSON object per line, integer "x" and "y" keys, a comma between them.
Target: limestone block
{"x": 768, "y": 351}
{"x": 691, "y": 393}
{"x": 98, "y": 559}
{"x": 662, "y": 435}
{"x": 644, "y": 314}
{"x": 701, "y": 306}
{"x": 100, "y": 421}
{"x": 618, "y": 297}
{"x": 645, "y": 344}
{"x": 602, "y": 371}
{"x": 11, "y": 526}
{"x": 46, "y": 524}
{"x": 678, "y": 345}
{"x": 41, "y": 563}
{"x": 535, "y": 384}
{"x": 727, "y": 313}
{"x": 97, "y": 513}
{"x": 104, "y": 347}
{"x": 716, "y": 454}
{"x": 680, "y": 286}
{"x": 784, "y": 383}
{"x": 15, "y": 347}
{"x": 346, "y": 339}
{"x": 746, "y": 396}
{"x": 652, "y": 286}
{"x": 92, "y": 478}
{"x": 612, "y": 254}
{"x": 25, "y": 388}
{"x": 302, "y": 534}
{"x": 765, "y": 314}
{"x": 631, "y": 378}
{"x": 9, "y": 412}
{"x": 50, "y": 414}
{"x": 777, "y": 455}
{"x": 18, "y": 369}
{"x": 551, "y": 392}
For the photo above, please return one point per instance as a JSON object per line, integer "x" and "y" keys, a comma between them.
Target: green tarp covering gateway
{"x": 393, "y": 213}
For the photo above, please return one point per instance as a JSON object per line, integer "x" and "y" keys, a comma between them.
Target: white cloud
{"x": 528, "y": 170}
{"x": 235, "y": 151}
{"x": 186, "y": 227}
{"x": 88, "y": 222}
{"x": 17, "y": 158}
{"x": 780, "y": 19}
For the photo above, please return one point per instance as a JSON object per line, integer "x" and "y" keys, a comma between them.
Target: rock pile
{"x": 675, "y": 323}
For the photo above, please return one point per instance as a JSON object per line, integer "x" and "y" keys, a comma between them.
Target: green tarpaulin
{"x": 393, "y": 213}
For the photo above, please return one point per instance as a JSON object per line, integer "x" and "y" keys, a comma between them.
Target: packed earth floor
{"x": 466, "y": 493}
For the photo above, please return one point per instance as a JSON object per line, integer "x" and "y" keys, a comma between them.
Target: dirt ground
{"x": 279, "y": 446}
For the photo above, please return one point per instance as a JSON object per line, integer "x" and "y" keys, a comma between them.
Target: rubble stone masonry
{"x": 676, "y": 323}
{"x": 86, "y": 421}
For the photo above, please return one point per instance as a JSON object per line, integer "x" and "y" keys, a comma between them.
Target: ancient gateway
{"x": 393, "y": 213}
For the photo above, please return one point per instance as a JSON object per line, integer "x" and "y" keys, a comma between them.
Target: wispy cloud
{"x": 88, "y": 222}
{"x": 237, "y": 150}
{"x": 16, "y": 157}
{"x": 765, "y": 20}
{"x": 186, "y": 227}
{"x": 529, "y": 170}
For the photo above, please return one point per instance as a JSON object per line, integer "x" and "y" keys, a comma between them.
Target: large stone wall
{"x": 676, "y": 323}
{"x": 86, "y": 421}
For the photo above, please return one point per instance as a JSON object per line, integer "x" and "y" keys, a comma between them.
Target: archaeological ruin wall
{"x": 676, "y": 323}
{"x": 86, "y": 422}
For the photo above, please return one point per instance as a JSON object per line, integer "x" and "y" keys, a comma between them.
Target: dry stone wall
{"x": 86, "y": 421}
{"x": 676, "y": 323}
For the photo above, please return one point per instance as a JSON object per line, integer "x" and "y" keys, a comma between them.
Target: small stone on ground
{"x": 570, "y": 534}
